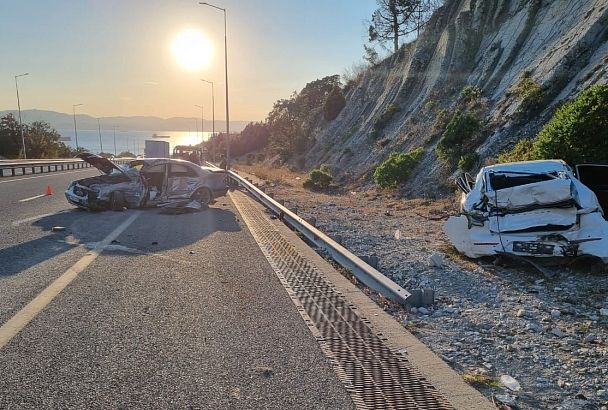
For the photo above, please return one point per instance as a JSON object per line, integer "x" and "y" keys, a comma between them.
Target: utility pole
{"x": 100, "y": 143}
{"x": 19, "y": 107}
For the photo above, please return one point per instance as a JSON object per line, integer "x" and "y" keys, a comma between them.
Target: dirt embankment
{"x": 562, "y": 45}
{"x": 490, "y": 320}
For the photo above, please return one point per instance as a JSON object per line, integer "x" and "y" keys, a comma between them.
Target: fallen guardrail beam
{"x": 361, "y": 270}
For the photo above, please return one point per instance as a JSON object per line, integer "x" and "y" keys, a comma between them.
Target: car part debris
{"x": 528, "y": 209}
{"x": 181, "y": 207}
{"x": 58, "y": 229}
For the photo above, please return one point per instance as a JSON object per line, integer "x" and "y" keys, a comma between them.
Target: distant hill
{"x": 62, "y": 121}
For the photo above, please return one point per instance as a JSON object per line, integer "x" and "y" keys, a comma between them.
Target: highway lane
{"x": 182, "y": 310}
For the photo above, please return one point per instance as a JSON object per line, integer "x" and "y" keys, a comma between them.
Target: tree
{"x": 371, "y": 55}
{"x": 10, "y": 138}
{"x": 334, "y": 104}
{"x": 395, "y": 19}
{"x": 578, "y": 131}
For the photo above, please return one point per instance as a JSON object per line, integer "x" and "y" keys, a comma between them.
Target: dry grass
{"x": 277, "y": 175}
{"x": 480, "y": 380}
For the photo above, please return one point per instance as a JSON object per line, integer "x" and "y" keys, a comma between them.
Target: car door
{"x": 155, "y": 177}
{"x": 182, "y": 180}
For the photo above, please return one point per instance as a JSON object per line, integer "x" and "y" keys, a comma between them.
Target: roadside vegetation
{"x": 318, "y": 179}
{"x": 41, "y": 141}
{"x": 577, "y": 133}
{"x": 397, "y": 168}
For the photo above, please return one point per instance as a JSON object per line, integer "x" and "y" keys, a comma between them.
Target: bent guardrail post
{"x": 361, "y": 270}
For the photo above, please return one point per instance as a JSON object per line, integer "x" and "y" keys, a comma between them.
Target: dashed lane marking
{"x": 32, "y": 198}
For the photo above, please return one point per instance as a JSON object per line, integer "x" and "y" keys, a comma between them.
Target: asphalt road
{"x": 179, "y": 311}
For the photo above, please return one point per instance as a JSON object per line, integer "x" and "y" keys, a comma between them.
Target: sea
{"x": 132, "y": 141}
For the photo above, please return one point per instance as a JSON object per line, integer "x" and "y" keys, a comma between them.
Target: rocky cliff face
{"x": 562, "y": 45}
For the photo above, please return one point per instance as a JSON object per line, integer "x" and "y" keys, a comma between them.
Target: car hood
{"x": 103, "y": 164}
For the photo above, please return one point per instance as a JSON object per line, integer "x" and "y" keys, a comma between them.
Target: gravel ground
{"x": 490, "y": 320}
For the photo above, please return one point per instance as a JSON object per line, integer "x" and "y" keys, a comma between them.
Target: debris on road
{"x": 58, "y": 229}
{"x": 510, "y": 383}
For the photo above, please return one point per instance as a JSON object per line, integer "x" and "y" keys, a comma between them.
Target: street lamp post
{"x": 75, "y": 129}
{"x": 212, "y": 105}
{"x": 226, "y": 73}
{"x": 202, "y": 119}
{"x": 100, "y": 143}
{"x": 114, "y": 141}
{"x": 19, "y": 108}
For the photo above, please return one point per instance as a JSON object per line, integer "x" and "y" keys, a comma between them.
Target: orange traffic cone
{"x": 49, "y": 191}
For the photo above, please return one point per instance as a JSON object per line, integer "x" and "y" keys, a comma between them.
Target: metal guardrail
{"x": 361, "y": 270}
{"x": 45, "y": 166}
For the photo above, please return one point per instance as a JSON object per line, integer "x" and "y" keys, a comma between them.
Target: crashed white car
{"x": 533, "y": 208}
{"x": 146, "y": 182}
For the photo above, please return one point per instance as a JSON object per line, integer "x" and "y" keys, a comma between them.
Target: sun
{"x": 191, "y": 49}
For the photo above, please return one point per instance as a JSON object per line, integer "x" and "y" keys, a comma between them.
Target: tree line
{"x": 41, "y": 141}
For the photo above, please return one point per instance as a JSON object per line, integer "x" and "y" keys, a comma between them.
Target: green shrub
{"x": 468, "y": 161}
{"x": 522, "y": 151}
{"x": 459, "y": 131}
{"x": 397, "y": 168}
{"x": 578, "y": 131}
{"x": 530, "y": 94}
{"x": 442, "y": 117}
{"x": 470, "y": 93}
{"x": 318, "y": 179}
{"x": 334, "y": 104}
{"x": 382, "y": 121}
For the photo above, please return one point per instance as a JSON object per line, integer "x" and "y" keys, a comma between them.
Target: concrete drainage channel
{"x": 375, "y": 375}
{"x": 365, "y": 273}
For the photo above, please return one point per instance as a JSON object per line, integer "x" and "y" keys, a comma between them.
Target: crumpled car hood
{"x": 535, "y": 208}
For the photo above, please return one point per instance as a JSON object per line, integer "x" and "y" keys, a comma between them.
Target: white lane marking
{"x": 15, "y": 324}
{"x": 35, "y": 218}
{"x": 52, "y": 174}
{"x": 32, "y": 198}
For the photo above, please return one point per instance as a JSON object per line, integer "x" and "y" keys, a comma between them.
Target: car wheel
{"x": 203, "y": 195}
{"x": 117, "y": 201}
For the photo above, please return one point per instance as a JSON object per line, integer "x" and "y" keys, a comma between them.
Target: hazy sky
{"x": 114, "y": 56}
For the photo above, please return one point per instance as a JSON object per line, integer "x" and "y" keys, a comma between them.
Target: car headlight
{"x": 79, "y": 191}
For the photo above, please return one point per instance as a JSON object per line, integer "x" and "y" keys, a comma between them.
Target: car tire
{"x": 203, "y": 195}
{"x": 117, "y": 201}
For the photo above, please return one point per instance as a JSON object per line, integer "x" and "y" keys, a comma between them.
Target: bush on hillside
{"x": 578, "y": 131}
{"x": 459, "y": 131}
{"x": 397, "y": 168}
{"x": 318, "y": 179}
{"x": 383, "y": 119}
{"x": 522, "y": 151}
{"x": 467, "y": 162}
{"x": 531, "y": 95}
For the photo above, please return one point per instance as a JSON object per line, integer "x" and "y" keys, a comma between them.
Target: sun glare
{"x": 191, "y": 50}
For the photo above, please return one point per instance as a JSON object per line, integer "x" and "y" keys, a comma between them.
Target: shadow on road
{"x": 150, "y": 232}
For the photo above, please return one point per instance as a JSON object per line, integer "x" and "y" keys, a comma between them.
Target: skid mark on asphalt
{"x": 14, "y": 325}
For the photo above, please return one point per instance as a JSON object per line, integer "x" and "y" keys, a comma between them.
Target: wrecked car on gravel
{"x": 145, "y": 183}
{"x": 533, "y": 208}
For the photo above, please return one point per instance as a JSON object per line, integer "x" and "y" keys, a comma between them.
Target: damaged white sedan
{"x": 146, "y": 183}
{"x": 533, "y": 208}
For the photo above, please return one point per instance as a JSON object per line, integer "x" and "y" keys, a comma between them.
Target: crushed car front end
{"x": 534, "y": 208}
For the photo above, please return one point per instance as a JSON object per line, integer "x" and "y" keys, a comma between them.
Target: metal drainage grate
{"x": 375, "y": 376}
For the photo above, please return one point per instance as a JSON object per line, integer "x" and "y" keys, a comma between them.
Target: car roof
{"x": 539, "y": 166}
{"x": 159, "y": 161}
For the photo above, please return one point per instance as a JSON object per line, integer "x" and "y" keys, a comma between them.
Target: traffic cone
{"x": 49, "y": 191}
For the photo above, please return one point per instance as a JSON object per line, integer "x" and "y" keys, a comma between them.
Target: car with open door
{"x": 146, "y": 182}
